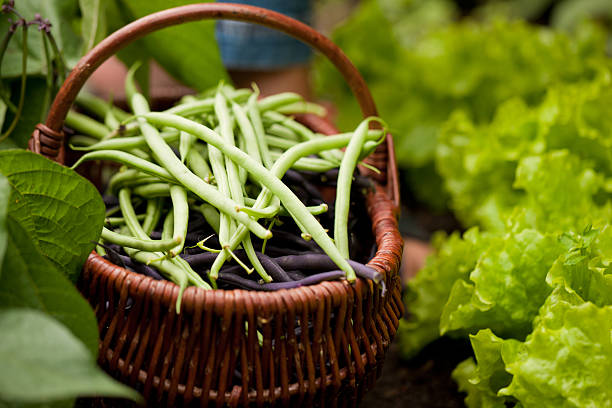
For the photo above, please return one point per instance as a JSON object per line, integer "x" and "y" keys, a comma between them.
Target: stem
{"x": 3, "y": 47}
{"x": 49, "y": 79}
{"x": 24, "y": 74}
{"x": 61, "y": 66}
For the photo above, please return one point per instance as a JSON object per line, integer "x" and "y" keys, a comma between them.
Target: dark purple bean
{"x": 200, "y": 259}
{"x": 310, "y": 280}
{"x": 192, "y": 238}
{"x": 197, "y": 223}
{"x": 291, "y": 238}
{"x": 277, "y": 273}
{"x": 137, "y": 267}
{"x": 331, "y": 176}
{"x": 322, "y": 262}
{"x": 110, "y": 200}
{"x": 295, "y": 177}
{"x": 296, "y": 275}
{"x": 274, "y": 251}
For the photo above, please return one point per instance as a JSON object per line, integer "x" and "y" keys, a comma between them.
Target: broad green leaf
{"x": 188, "y": 52}
{"x": 59, "y": 209}
{"x": 42, "y": 362}
{"x": 29, "y": 280}
{"x": 5, "y": 191}
{"x": 2, "y": 113}
{"x": 61, "y": 14}
{"x": 34, "y": 111}
{"x": 93, "y": 24}
{"x": 117, "y": 16}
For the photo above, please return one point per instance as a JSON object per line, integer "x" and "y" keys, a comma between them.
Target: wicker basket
{"x": 322, "y": 344}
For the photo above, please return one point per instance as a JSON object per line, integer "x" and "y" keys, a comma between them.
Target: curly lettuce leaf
{"x": 506, "y": 288}
{"x": 455, "y": 257}
{"x": 482, "y": 382}
{"x": 419, "y": 76}
{"x": 560, "y": 193}
{"x": 480, "y": 164}
{"x": 565, "y": 361}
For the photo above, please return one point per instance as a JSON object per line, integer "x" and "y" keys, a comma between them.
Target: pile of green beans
{"x": 222, "y": 153}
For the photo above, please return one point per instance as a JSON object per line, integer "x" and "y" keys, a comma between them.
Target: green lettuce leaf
{"x": 482, "y": 382}
{"x": 455, "y": 257}
{"x": 506, "y": 288}
{"x": 565, "y": 361}
{"x": 419, "y": 77}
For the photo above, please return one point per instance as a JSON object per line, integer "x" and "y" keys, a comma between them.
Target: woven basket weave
{"x": 322, "y": 344}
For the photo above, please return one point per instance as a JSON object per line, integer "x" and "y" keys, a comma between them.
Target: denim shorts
{"x": 252, "y": 47}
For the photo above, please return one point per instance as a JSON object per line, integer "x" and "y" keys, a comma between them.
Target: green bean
{"x": 199, "y": 166}
{"x": 282, "y": 211}
{"x": 181, "y": 173}
{"x": 152, "y": 215}
{"x": 225, "y": 130}
{"x": 282, "y": 122}
{"x": 280, "y": 142}
{"x": 267, "y": 212}
{"x": 242, "y": 173}
{"x": 99, "y": 248}
{"x": 110, "y": 121}
{"x": 258, "y": 129}
{"x": 131, "y": 221}
{"x": 129, "y": 177}
{"x": 308, "y": 163}
{"x": 246, "y": 128}
{"x": 343, "y": 186}
{"x": 190, "y": 272}
{"x": 216, "y": 162}
{"x": 211, "y": 215}
{"x": 114, "y": 221}
{"x": 99, "y": 106}
{"x": 128, "y": 159}
{"x": 279, "y": 119}
{"x": 233, "y": 179}
{"x": 276, "y": 101}
{"x": 181, "y": 216}
{"x": 186, "y": 141}
{"x": 282, "y": 132}
{"x": 205, "y": 105}
{"x": 302, "y": 107}
{"x": 85, "y": 124}
{"x": 266, "y": 177}
{"x": 177, "y": 272}
{"x": 168, "y": 227}
{"x": 79, "y": 142}
{"x": 152, "y": 190}
{"x": 140, "y": 244}
{"x": 280, "y": 167}
{"x": 139, "y": 153}
{"x": 124, "y": 143}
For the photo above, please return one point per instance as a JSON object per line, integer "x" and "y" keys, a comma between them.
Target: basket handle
{"x": 48, "y": 139}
